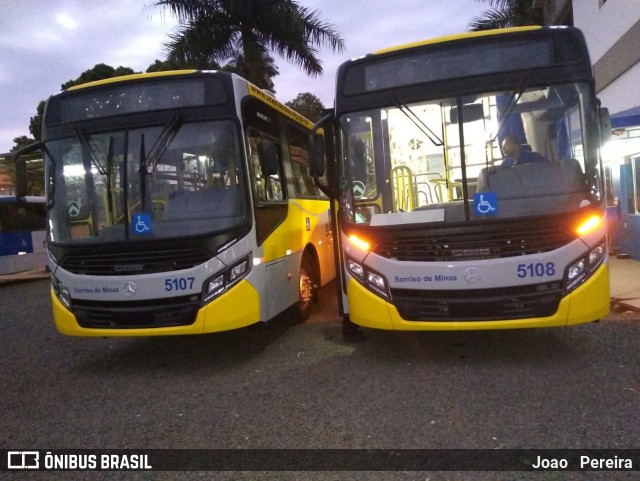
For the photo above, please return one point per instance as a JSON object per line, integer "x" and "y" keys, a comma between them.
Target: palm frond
{"x": 247, "y": 30}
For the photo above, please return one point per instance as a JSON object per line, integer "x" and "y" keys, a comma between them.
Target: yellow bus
{"x": 468, "y": 182}
{"x": 179, "y": 203}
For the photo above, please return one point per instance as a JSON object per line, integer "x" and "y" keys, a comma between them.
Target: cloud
{"x": 44, "y": 44}
{"x": 66, "y": 21}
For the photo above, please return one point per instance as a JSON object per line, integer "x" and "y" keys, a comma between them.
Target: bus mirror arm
{"x": 20, "y": 162}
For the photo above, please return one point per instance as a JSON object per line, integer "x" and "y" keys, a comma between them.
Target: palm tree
{"x": 507, "y": 13}
{"x": 242, "y": 33}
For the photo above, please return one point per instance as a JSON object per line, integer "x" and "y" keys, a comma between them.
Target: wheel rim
{"x": 306, "y": 288}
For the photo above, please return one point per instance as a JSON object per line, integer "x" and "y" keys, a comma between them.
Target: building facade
{"x": 612, "y": 32}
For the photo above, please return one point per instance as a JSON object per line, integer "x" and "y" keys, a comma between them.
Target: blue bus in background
{"x": 22, "y": 234}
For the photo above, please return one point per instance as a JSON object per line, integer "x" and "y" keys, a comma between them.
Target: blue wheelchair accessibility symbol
{"x": 141, "y": 224}
{"x": 485, "y": 203}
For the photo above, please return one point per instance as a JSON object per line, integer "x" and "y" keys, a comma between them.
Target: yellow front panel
{"x": 236, "y": 308}
{"x": 292, "y": 234}
{"x": 239, "y": 307}
{"x": 587, "y": 303}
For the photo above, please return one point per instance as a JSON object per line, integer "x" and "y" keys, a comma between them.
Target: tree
{"x": 97, "y": 72}
{"x": 243, "y": 33}
{"x": 261, "y": 72}
{"x": 163, "y": 66}
{"x": 35, "y": 123}
{"x": 507, "y": 13}
{"x": 308, "y": 105}
{"x": 20, "y": 142}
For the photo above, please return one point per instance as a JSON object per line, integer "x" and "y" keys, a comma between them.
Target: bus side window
{"x": 272, "y": 161}
{"x": 266, "y": 166}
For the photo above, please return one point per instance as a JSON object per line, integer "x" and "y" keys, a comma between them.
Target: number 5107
{"x": 179, "y": 283}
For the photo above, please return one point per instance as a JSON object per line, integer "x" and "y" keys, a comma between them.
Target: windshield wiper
{"x": 109, "y": 179}
{"x": 513, "y": 101}
{"x": 89, "y": 147}
{"x": 155, "y": 154}
{"x": 417, "y": 121}
{"x": 142, "y": 170}
{"x": 161, "y": 144}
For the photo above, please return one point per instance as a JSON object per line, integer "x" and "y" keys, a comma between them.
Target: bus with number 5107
{"x": 179, "y": 203}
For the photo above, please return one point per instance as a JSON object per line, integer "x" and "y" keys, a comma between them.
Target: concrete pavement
{"x": 24, "y": 276}
{"x": 625, "y": 282}
{"x": 624, "y": 275}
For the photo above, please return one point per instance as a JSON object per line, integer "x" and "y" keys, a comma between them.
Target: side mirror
{"x": 317, "y": 163}
{"x": 20, "y": 162}
{"x": 605, "y": 125}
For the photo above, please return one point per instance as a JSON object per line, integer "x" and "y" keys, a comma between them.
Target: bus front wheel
{"x": 307, "y": 286}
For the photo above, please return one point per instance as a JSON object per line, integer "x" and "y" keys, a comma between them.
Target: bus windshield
{"x": 163, "y": 181}
{"x": 505, "y": 154}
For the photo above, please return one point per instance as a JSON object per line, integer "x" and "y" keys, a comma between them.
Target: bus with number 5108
{"x": 467, "y": 183}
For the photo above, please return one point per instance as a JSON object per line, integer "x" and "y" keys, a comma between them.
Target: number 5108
{"x": 537, "y": 269}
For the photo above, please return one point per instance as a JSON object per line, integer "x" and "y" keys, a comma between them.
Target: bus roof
{"x": 135, "y": 76}
{"x": 254, "y": 90}
{"x": 459, "y": 36}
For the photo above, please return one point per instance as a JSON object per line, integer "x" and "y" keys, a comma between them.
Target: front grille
{"x": 132, "y": 262}
{"x": 175, "y": 311}
{"x": 520, "y": 302}
{"x": 473, "y": 242}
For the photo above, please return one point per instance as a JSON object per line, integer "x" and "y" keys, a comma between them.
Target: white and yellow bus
{"x": 179, "y": 203}
{"x": 437, "y": 227}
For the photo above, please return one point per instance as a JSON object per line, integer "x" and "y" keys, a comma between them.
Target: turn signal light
{"x": 591, "y": 224}
{"x": 359, "y": 243}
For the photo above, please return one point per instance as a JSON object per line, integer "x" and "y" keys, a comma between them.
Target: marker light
{"x": 355, "y": 269}
{"x": 581, "y": 269}
{"x": 359, "y": 243}
{"x": 62, "y": 292}
{"x": 371, "y": 280}
{"x": 222, "y": 281}
{"x": 589, "y": 225}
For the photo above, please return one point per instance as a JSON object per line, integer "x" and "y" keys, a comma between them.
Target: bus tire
{"x": 306, "y": 289}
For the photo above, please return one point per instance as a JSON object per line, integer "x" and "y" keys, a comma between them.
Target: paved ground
{"x": 625, "y": 283}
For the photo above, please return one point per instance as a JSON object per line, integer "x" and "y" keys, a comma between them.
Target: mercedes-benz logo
{"x": 130, "y": 289}
{"x": 472, "y": 275}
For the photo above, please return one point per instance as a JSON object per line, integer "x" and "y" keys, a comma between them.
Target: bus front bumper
{"x": 587, "y": 303}
{"x": 239, "y": 307}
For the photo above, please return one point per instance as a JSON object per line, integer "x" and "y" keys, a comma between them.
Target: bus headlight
{"x": 356, "y": 269}
{"x": 370, "y": 279}
{"x": 596, "y": 255}
{"x": 222, "y": 281}
{"x": 577, "y": 272}
{"x": 62, "y": 292}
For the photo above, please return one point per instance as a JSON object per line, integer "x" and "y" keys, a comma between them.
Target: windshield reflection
{"x": 516, "y": 153}
{"x": 166, "y": 181}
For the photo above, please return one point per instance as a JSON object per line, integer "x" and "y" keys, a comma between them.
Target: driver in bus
{"x": 515, "y": 154}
